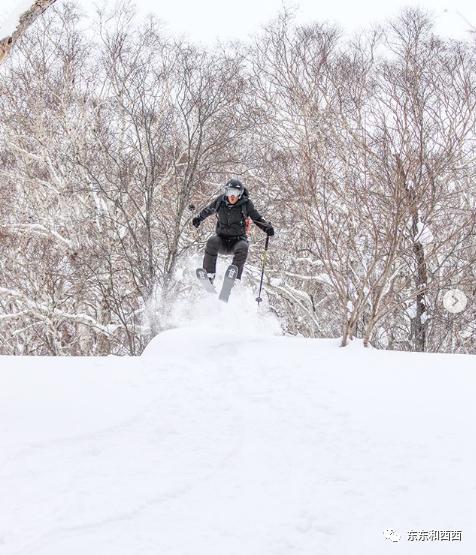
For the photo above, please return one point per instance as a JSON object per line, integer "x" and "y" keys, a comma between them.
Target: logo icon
{"x": 391, "y": 535}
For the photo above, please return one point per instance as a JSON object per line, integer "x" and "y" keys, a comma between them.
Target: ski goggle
{"x": 232, "y": 192}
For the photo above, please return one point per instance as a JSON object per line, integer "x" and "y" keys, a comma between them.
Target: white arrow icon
{"x": 455, "y": 301}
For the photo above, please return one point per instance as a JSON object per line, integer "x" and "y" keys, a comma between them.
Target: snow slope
{"x": 225, "y": 442}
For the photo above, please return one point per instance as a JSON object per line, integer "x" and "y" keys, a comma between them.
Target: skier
{"x": 232, "y": 210}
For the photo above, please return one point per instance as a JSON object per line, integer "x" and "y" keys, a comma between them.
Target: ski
{"x": 228, "y": 281}
{"x": 203, "y": 278}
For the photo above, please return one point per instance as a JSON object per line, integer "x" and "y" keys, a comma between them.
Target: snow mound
{"x": 221, "y": 443}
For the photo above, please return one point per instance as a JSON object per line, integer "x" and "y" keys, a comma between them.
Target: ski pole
{"x": 265, "y": 256}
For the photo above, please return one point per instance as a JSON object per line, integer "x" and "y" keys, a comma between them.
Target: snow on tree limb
{"x": 42, "y": 311}
{"x": 38, "y": 229}
{"x": 26, "y": 19}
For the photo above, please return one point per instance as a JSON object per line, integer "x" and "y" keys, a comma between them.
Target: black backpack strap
{"x": 218, "y": 203}
{"x": 244, "y": 210}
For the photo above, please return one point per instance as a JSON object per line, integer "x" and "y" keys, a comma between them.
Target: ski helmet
{"x": 234, "y": 187}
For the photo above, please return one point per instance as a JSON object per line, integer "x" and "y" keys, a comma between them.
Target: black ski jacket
{"x": 231, "y": 217}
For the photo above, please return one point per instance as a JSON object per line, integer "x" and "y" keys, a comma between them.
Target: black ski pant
{"x": 225, "y": 245}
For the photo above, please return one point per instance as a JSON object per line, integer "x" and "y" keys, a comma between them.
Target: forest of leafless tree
{"x": 360, "y": 151}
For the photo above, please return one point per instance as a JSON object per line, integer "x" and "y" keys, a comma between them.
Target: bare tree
{"x": 372, "y": 153}
{"x": 117, "y": 147}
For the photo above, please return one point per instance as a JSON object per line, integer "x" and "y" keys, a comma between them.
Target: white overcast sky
{"x": 208, "y": 20}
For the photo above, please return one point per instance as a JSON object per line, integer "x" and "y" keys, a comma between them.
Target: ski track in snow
{"x": 223, "y": 442}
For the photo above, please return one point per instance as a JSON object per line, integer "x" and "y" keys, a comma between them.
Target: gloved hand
{"x": 196, "y": 221}
{"x": 270, "y": 231}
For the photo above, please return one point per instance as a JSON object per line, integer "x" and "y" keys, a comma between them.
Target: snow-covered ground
{"x": 226, "y": 438}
